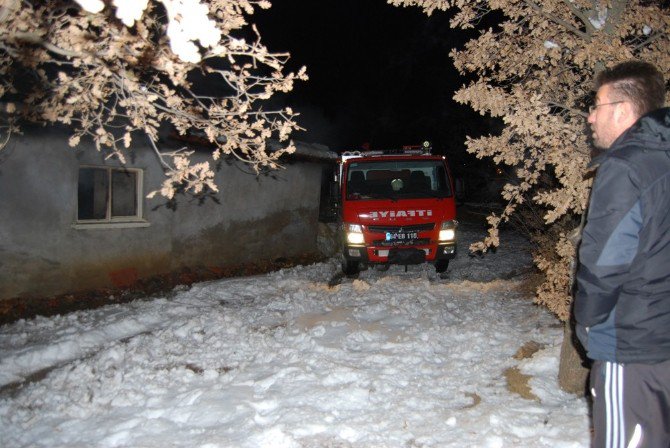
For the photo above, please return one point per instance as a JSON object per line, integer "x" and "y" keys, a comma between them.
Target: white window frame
{"x": 112, "y": 222}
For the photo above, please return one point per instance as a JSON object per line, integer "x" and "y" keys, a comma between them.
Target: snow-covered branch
{"x": 534, "y": 70}
{"x": 122, "y": 66}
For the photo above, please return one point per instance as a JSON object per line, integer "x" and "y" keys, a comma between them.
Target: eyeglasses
{"x": 595, "y": 106}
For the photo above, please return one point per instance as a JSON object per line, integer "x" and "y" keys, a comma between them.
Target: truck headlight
{"x": 355, "y": 238}
{"x": 354, "y": 234}
{"x": 448, "y": 231}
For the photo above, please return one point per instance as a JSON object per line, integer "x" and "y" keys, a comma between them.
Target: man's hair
{"x": 640, "y": 83}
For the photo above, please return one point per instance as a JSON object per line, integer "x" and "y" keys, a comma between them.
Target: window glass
{"x": 397, "y": 179}
{"x": 124, "y": 193}
{"x": 92, "y": 194}
{"x": 108, "y": 193}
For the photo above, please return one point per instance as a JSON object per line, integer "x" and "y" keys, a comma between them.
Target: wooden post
{"x": 573, "y": 370}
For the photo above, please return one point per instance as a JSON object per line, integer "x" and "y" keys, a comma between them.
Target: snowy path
{"x": 391, "y": 359}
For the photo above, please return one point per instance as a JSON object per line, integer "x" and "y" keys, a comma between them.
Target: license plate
{"x": 401, "y": 236}
{"x": 385, "y": 252}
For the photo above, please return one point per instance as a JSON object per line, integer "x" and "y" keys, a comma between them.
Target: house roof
{"x": 304, "y": 150}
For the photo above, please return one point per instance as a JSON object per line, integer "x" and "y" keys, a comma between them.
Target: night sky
{"x": 378, "y": 74}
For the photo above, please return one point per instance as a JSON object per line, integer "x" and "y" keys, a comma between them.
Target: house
{"x": 72, "y": 221}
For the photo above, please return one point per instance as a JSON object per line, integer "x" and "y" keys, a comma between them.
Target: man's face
{"x": 604, "y": 119}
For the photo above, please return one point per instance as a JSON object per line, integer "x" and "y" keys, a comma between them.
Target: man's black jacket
{"x": 622, "y": 306}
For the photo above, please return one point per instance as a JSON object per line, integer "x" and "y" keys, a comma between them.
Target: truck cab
{"x": 396, "y": 207}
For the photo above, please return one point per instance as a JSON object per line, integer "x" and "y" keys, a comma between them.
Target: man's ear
{"x": 626, "y": 114}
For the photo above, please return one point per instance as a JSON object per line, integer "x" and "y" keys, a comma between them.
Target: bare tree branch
{"x": 616, "y": 11}
{"x": 653, "y": 37}
{"x": 569, "y": 109}
{"x": 35, "y": 39}
{"x": 581, "y": 16}
{"x": 557, "y": 20}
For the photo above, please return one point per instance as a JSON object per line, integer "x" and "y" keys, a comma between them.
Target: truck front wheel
{"x": 441, "y": 266}
{"x": 350, "y": 267}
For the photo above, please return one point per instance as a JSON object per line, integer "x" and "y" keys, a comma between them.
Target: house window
{"x": 109, "y": 195}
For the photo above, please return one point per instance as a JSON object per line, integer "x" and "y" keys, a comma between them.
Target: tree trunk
{"x": 572, "y": 370}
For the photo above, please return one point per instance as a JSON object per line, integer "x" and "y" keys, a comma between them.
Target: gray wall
{"x": 252, "y": 218}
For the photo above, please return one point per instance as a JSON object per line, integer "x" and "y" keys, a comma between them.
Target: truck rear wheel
{"x": 350, "y": 267}
{"x": 382, "y": 267}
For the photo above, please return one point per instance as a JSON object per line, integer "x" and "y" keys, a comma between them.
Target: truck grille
{"x": 400, "y": 229}
{"x": 416, "y": 242}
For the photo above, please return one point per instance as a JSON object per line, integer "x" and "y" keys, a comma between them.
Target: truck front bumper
{"x": 403, "y": 255}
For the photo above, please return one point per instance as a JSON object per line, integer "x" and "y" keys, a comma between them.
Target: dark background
{"x": 380, "y": 78}
{"x": 379, "y": 75}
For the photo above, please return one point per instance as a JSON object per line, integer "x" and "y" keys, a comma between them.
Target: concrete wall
{"x": 43, "y": 253}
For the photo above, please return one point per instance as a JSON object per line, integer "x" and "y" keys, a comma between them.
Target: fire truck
{"x": 396, "y": 207}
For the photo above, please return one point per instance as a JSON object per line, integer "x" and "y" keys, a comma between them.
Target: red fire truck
{"x": 396, "y": 207}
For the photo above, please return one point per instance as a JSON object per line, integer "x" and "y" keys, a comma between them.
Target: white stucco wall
{"x": 42, "y": 253}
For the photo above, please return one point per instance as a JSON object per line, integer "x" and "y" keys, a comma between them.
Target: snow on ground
{"x": 391, "y": 359}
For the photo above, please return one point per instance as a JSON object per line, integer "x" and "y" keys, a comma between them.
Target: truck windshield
{"x": 397, "y": 179}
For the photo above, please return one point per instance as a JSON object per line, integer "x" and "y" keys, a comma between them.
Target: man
{"x": 622, "y": 306}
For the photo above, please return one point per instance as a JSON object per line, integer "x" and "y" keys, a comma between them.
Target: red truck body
{"x": 396, "y": 208}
